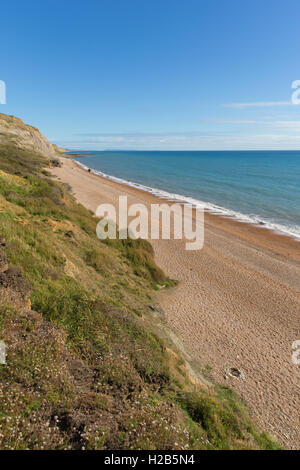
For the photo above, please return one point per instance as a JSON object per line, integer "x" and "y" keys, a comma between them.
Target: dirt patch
{"x": 3, "y": 258}
{"x": 83, "y": 376}
{"x": 13, "y": 279}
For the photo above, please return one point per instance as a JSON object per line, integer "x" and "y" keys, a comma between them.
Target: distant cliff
{"x": 14, "y": 131}
{"x": 59, "y": 149}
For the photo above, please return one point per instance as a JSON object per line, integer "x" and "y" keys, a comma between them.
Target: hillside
{"x": 13, "y": 131}
{"x": 85, "y": 367}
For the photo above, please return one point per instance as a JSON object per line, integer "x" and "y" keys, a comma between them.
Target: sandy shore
{"x": 237, "y": 304}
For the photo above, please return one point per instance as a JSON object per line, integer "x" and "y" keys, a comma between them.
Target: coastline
{"x": 237, "y": 304}
{"x": 208, "y": 207}
{"x": 218, "y": 218}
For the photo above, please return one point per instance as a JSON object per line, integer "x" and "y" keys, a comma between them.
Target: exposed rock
{"x": 14, "y": 131}
{"x": 235, "y": 373}
{"x": 59, "y": 149}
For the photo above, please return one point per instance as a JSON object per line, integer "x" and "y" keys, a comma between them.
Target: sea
{"x": 258, "y": 187}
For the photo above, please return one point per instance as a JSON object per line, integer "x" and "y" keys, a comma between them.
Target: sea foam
{"x": 293, "y": 232}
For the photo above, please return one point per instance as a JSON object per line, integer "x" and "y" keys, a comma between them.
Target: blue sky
{"x": 168, "y": 74}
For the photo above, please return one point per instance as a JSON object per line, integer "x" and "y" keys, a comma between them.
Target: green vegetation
{"x": 84, "y": 367}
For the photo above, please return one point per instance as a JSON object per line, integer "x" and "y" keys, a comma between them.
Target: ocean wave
{"x": 291, "y": 231}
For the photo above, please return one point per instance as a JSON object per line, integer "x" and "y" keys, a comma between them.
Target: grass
{"x": 84, "y": 367}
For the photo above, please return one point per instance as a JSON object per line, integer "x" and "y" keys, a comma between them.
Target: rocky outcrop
{"x": 59, "y": 149}
{"x": 13, "y": 131}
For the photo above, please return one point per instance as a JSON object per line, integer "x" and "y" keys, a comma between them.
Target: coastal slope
{"x": 86, "y": 366}
{"x": 237, "y": 303}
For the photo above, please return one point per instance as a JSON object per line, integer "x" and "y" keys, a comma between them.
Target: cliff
{"x": 15, "y": 132}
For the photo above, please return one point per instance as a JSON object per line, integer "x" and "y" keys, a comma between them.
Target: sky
{"x": 154, "y": 75}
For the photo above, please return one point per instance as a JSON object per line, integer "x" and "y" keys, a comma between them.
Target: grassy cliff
{"x": 84, "y": 367}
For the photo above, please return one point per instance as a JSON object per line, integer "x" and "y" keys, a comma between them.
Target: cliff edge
{"x": 13, "y": 131}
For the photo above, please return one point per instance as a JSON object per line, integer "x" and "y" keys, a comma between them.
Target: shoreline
{"x": 218, "y": 218}
{"x": 208, "y": 207}
{"x": 237, "y": 303}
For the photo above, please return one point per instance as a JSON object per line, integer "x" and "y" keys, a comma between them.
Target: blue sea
{"x": 260, "y": 187}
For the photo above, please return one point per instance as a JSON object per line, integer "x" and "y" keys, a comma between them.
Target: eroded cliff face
{"x": 13, "y": 131}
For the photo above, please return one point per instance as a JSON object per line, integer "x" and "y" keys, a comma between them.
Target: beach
{"x": 237, "y": 304}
